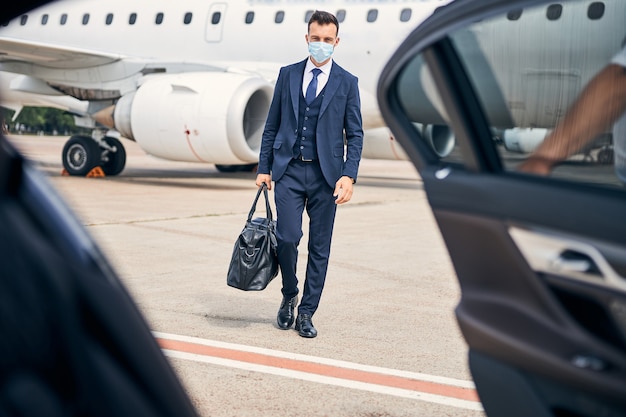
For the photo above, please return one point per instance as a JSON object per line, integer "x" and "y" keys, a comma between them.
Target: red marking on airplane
{"x": 187, "y": 133}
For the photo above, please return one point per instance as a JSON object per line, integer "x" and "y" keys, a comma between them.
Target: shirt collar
{"x": 325, "y": 68}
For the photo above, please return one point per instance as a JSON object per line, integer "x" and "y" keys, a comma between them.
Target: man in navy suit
{"x": 311, "y": 149}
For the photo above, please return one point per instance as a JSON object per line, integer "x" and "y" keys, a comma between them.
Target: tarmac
{"x": 388, "y": 342}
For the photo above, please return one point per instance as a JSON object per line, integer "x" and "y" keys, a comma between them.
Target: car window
{"x": 424, "y": 108}
{"x": 540, "y": 76}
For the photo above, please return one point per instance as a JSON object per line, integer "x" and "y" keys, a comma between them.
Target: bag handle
{"x": 268, "y": 209}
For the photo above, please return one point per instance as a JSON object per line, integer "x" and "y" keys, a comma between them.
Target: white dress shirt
{"x": 322, "y": 78}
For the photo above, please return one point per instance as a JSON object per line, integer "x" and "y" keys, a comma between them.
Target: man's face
{"x": 322, "y": 33}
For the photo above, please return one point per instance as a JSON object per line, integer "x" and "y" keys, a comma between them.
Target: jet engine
{"x": 440, "y": 138}
{"x": 523, "y": 140}
{"x": 379, "y": 143}
{"x": 199, "y": 117}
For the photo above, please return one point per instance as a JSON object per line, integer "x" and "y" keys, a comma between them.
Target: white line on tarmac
{"x": 424, "y": 387}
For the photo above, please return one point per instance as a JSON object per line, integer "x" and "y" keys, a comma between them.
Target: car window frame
{"x": 465, "y": 111}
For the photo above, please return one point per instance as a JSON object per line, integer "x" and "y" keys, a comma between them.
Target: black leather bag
{"x": 254, "y": 262}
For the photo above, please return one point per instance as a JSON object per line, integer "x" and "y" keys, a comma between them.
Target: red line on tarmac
{"x": 467, "y": 394}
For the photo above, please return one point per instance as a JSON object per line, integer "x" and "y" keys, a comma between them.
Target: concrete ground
{"x": 388, "y": 341}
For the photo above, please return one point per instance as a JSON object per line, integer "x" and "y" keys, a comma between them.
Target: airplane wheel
{"x": 113, "y": 162}
{"x": 605, "y": 156}
{"x": 80, "y": 155}
{"x": 237, "y": 168}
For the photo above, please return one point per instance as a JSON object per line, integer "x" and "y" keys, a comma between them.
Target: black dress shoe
{"x": 285, "y": 316}
{"x": 304, "y": 326}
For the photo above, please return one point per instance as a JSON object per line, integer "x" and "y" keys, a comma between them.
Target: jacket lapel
{"x": 295, "y": 87}
{"x": 334, "y": 81}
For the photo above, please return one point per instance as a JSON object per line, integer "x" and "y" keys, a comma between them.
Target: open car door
{"x": 541, "y": 259}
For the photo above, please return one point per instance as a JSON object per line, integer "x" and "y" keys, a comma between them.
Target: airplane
{"x": 189, "y": 80}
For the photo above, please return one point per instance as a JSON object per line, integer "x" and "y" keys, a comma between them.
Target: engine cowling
{"x": 379, "y": 143}
{"x": 440, "y": 137}
{"x": 198, "y": 117}
{"x": 523, "y": 140}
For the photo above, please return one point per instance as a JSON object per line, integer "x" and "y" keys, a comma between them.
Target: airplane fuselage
{"x": 255, "y": 37}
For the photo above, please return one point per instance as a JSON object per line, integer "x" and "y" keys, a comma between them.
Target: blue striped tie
{"x": 311, "y": 90}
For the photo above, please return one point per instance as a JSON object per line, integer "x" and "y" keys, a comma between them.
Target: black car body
{"x": 72, "y": 341}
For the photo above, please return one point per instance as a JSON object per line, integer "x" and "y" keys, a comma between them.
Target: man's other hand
{"x": 343, "y": 190}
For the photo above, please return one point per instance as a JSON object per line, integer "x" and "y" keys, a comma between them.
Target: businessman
{"x": 311, "y": 149}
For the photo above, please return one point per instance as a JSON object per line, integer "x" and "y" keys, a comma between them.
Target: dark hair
{"x": 323, "y": 18}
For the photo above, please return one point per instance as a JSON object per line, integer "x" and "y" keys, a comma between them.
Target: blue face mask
{"x": 320, "y": 51}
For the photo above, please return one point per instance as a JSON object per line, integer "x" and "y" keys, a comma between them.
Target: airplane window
{"x": 280, "y": 16}
{"x": 23, "y": 19}
{"x": 514, "y": 14}
{"x": 341, "y": 15}
{"x": 159, "y": 18}
{"x": 554, "y": 11}
{"x": 595, "y": 10}
{"x": 372, "y": 15}
{"x": 63, "y": 18}
{"x": 85, "y": 18}
{"x": 132, "y": 18}
{"x": 307, "y": 16}
{"x": 109, "y": 19}
{"x": 44, "y": 19}
{"x": 215, "y": 20}
{"x": 405, "y": 15}
{"x": 249, "y": 17}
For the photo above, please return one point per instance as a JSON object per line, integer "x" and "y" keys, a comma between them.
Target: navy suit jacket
{"x": 340, "y": 112}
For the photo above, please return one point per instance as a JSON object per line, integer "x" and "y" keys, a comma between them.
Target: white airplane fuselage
{"x": 192, "y": 80}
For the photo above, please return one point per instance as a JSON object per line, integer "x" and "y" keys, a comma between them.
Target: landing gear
{"x": 605, "y": 155}
{"x": 113, "y": 157}
{"x": 81, "y": 154}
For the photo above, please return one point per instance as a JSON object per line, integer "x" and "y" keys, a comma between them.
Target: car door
{"x": 540, "y": 257}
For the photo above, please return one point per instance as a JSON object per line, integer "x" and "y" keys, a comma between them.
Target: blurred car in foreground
{"x": 73, "y": 342}
{"x": 541, "y": 259}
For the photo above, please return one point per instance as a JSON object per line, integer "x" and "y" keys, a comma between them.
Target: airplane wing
{"x": 46, "y": 55}
{"x": 47, "y": 66}
{"x": 215, "y": 110}
{"x": 28, "y": 57}
{"x": 44, "y": 69}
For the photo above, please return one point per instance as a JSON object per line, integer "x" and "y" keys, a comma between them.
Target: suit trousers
{"x": 303, "y": 186}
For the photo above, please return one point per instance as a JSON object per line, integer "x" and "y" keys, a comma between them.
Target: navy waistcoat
{"x": 306, "y": 145}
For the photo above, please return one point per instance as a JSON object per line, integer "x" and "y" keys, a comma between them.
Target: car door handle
{"x": 573, "y": 261}
{"x": 564, "y": 256}
{"x": 568, "y": 265}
